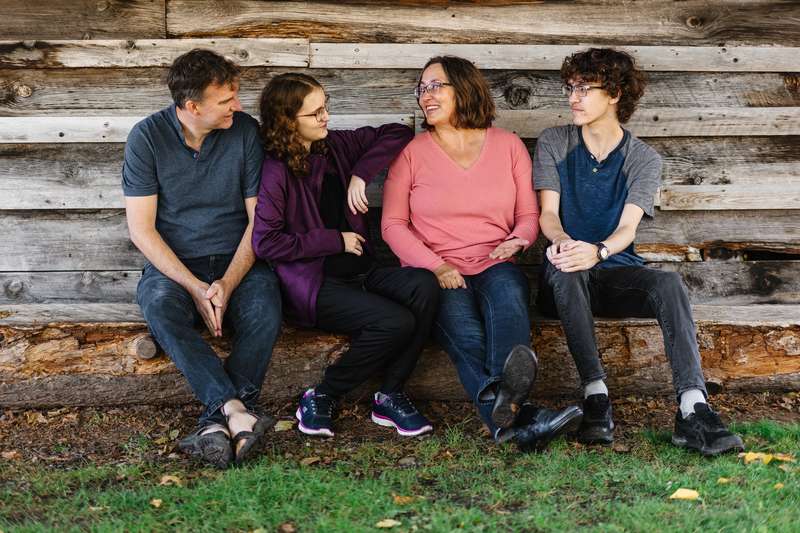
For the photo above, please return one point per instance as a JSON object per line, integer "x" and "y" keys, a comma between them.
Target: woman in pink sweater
{"x": 459, "y": 201}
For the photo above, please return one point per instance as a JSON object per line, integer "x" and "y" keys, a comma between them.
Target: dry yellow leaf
{"x": 13, "y": 455}
{"x": 785, "y": 457}
{"x": 284, "y": 425}
{"x": 96, "y": 509}
{"x": 749, "y": 457}
{"x": 778, "y": 486}
{"x": 171, "y": 480}
{"x": 387, "y": 523}
{"x": 403, "y": 500}
{"x": 310, "y": 461}
{"x": 685, "y": 494}
{"x": 723, "y": 481}
{"x": 155, "y": 502}
{"x": 786, "y": 468}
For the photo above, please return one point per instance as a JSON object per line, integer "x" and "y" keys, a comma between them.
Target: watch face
{"x": 604, "y": 252}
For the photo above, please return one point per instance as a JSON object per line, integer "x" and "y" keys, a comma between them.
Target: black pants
{"x": 388, "y": 313}
{"x": 621, "y": 292}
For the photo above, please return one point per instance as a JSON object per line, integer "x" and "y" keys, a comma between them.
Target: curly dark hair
{"x": 192, "y": 72}
{"x": 474, "y": 103}
{"x": 616, "y": 71}
{"x": 281, "y": 100}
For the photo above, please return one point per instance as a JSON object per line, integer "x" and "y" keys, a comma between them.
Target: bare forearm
{"x": 551, "y": 227}
{"x": 242, "y": 260}
{"x": 622, "y": 237}
{"x": 150, "y": 243}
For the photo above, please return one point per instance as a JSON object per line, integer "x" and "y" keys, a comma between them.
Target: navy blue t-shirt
{"x": 593, "y": 193}
{"x": 201, "y": 209}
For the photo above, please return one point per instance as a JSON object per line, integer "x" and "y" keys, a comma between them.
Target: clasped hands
{"x": 212, "y": 301}
{"x": 572, "y": 256}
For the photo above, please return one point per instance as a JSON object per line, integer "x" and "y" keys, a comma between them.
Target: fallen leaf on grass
{"x": 287, "y": 527}
{"x": 171, "y": 480}
{"x": 786, "y": 468}
{"x": 155, "y": 502}
{"x": 97, "y": 509}
{"x": 750, "y": 457}
{"x": 723, "y": 481}
{"x": 407, "y": 461}
{"x": 778, "y": 486}
{"x": 308, "y": 461}
{"x": 284, "y": 425}
{"x": 621, "y": 448}
{"x": 403, "y": 500}
{"x": 388, "y": 523}
{"x": 685, "y": 494}
{"x": 13, "y": 455}
{"x": 785, "y": 457}
{"x": 35, "y": 417}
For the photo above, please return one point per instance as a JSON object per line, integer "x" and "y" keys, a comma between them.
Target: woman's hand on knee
{"x": 449, "y": 277}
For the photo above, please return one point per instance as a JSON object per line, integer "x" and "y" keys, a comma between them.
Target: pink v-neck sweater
{"x": 435, "y": 211}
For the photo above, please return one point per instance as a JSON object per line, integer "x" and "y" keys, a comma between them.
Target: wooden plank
{"x": 668, "y": 122}
{"x": 655, "y": 22}
{"x": 550, "y": 57}
{"x": 149, "y": 52}
{"x": 706, "y": 197}
{"x": 115, "y": 129}
{"x": 90, "y": 286}
{"x": 98, "y": 240}
{"x": 140, "y": 91}
{"x": 79, "y": 19}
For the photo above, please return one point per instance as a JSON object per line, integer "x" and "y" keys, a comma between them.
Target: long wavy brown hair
{"x": 474, "y": 104}
{"x": 281, "y": 100}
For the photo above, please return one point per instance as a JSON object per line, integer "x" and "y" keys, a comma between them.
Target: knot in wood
{"x": 694, "y": 22}
{"x": 22, "y": 90}
{"x": 102, "y": 5}
{"x": 14, "y": 287}
{"x": 241, "y": 53}
{"x": 518, "y": 96}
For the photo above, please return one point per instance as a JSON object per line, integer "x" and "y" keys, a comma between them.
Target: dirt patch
{"x": 79, "y": 436}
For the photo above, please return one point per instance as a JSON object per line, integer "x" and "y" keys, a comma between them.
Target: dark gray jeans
{"x": 620, "y": 292}
{"x": 253, "y": 313}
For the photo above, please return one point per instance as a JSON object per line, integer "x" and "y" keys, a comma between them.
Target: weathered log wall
{"x": 722, "y": 107}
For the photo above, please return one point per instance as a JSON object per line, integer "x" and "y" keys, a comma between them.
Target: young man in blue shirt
{"x": 596, "y": 181}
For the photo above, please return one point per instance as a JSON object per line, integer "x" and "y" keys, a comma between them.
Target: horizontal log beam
{"x": 116, "y": 129}
{"x": 707, "y": 197}
{"x": 550, "y": 57}
{"x": 149, "y": 52}
{"x": 92, "y": 364}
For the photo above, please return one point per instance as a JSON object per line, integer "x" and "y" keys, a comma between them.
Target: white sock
{"x": 595, "y": 387}
{"x": 689, "y": 398}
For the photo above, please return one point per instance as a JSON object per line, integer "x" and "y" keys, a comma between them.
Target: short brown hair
{"x": 195, "y": 70}
{"x": 616, "y": 71}
{"x": 281, "y": 100}
{"x": 474, "y": 104}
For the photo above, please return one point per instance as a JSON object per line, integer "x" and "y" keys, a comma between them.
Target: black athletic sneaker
{"x": 597, "y": 426}
{"x": 396, "y": 410}
{"x": 315, "y": 414}
{"x": 704, "y": 431}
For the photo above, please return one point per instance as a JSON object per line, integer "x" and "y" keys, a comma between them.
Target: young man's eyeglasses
{"x": 319, "y": 114}
{"x": 580, "y": 90}
{"x": 433, "y": 87}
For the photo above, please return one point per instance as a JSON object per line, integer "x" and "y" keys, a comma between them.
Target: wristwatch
{"x": 602, "y": 251}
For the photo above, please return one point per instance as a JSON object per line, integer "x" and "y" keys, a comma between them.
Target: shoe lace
{"x": 322, "y": 404}
{"x": 402, "y": 403}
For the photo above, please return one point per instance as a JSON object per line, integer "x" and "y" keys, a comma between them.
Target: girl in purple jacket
{"x": 311, "y": 224}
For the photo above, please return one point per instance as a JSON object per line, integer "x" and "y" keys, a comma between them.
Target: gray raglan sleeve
{"x": 139, "y": 177}
{"x": 643, "y": 170}
{"x": 545, "y": 160}
{"x": 253, "y": 158}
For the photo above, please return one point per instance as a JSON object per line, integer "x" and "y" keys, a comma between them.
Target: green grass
{"x": 459, "y": 482}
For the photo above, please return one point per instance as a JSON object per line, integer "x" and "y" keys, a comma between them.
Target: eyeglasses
{"x": 433, "y": 88}
{"x": 580, "y": 90}
{"x": 319, "y": 114}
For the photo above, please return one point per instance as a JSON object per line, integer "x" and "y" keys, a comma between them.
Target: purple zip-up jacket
{"x": 288, "y": 230}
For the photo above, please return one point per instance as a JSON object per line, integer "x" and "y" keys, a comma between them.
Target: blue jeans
{"x": 253, "y": 314}
{"x": 478, "y": 326}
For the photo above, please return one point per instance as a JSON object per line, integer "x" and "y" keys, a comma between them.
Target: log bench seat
{"x": 101, "y": 354}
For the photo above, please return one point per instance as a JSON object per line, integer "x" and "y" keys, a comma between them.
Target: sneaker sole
{"x": 387, "y": 422}
{"x": 324, "y": 432}
{"x": 601, "y": 437}
{"x": 519, "y": 374}
{"x": 728, "y": 444}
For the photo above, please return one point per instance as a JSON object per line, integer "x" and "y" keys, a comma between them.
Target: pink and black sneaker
{"x": 315, "y": 414}
{"x": 396, "y": 410}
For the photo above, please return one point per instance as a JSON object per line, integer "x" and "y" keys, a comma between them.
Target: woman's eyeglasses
{"x": 433, "y": 87}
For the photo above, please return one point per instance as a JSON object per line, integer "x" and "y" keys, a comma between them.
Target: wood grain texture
{"x": 549, "y": 57}
{"x": 116, "y": 129}
{"x": 140, "y": 91}
{"x": 149, "y": 52}
{"x": 774, "y": 195}
{"x": 81, "y": 287}
{"x": 652, "y": 22}
{"x": 98, "y": 240}
{"x": 90, "y": 364}
{"x": 83, "y": 19}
